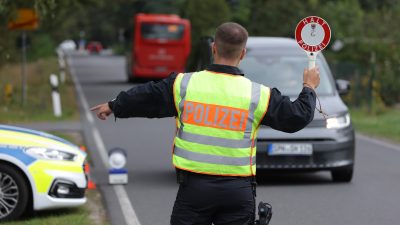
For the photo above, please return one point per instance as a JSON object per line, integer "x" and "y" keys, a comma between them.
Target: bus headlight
{"x": 52, "y": 154}
{"x": 338, "y": 122}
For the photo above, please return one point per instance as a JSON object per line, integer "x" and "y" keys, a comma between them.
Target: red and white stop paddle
{"x": 312, "y": 35}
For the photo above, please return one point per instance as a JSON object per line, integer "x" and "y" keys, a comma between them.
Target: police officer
{"x": 218, "y": 112}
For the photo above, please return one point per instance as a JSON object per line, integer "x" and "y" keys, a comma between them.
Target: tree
{"x": 55, "y": 16}
{"x": 204, "y": 24}
{"x": 275, "y": 17}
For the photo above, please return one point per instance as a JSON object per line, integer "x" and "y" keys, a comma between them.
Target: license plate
{"x": 290, "y": 149}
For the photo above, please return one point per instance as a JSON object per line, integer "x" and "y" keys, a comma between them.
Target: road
{"x": 373, "y": 197}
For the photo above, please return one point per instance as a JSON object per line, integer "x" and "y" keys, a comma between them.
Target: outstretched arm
{"x": 151, "y": 100}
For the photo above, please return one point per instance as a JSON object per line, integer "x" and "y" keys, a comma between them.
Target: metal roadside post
{"x": 55, "y": 95}
{"x": 62, "y": 65}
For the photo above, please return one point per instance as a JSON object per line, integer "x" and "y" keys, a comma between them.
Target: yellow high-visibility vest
{"x": 218, "y": 119}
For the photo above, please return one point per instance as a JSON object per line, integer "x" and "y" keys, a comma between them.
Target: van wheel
{"x": 344, "y": 174}
{"x": 14, "y": 193}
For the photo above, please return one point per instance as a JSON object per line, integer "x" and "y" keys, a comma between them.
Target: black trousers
{"x": 206, "y": 200}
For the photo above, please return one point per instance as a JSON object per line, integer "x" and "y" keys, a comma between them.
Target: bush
{"x": 42, "y": 46}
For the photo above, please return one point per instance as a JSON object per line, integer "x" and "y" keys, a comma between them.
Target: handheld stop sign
{"x": 312, "y": 35}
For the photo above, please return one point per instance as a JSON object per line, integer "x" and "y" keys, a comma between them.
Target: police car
{"x": 38, "y": 171}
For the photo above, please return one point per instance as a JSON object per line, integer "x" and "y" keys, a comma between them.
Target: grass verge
{"x": 38, "y": 105}
{"x": 91, "y": 213}
{"x": 383, "y": 125}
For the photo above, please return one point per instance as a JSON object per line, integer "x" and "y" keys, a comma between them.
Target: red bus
{"x": 160, "y": 45}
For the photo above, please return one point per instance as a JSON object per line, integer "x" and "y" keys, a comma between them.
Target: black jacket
{"x": 155, "y": 100}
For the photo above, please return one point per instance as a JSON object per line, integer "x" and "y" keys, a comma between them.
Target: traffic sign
{"x": 312, "y": 35}
{"x": 26, "y": 19}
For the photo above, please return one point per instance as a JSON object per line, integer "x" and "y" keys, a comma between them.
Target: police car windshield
{"x": 284, "y": 71}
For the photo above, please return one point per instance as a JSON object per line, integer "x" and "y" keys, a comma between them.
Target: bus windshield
{"x": 162, "y": 31}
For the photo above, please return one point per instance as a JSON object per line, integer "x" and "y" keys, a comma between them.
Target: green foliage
{"x": 38, "y": 105}
{"x": 42, "y": 46}
{"x": 56, "y": 23}
{"x": 203, "y": 24}
{"x": 241, "y": 12}
{"x": 344, "y": 18}
{"x": 275, "y": 17}
{"x": 381, "y": 125}
{"x": 389, "y": 89}
{"x": 160, "y": 6}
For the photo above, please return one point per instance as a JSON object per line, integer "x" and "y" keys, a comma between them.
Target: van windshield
{"x": 283, "y": 71}
{"x": 162, "y": 31}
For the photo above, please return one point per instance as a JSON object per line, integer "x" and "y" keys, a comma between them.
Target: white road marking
{"x": 378, "y": 142}
{"x": 126, "y": 206}
{"x": 123, "y": 199}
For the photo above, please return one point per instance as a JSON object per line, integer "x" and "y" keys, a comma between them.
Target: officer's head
{"x": 230, "y": 42}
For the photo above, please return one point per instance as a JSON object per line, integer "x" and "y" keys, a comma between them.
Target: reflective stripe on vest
{"x": 212, "y": 153}
{"x": 216, "y": 159}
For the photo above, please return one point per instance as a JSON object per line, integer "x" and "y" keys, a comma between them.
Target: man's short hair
{"x": 230, "y": 40}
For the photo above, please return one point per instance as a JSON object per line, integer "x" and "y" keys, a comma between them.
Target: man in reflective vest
{"x": 218, "y": 113}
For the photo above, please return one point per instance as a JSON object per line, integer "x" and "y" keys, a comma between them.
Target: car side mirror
{"x": 343, "y": 86}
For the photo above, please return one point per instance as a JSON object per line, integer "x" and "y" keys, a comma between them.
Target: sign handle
{"x": 312, "y": 57}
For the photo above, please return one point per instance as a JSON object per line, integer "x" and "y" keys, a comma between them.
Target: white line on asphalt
{"x": 127, "y": 209}
{"x": 81, "y": 96}
{"x": 123, "y": 199}
{"x": 100, "y": 145}
{"x": 378, "y": 142}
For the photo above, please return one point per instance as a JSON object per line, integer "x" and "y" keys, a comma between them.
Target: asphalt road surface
{"x": 373, "y": 197}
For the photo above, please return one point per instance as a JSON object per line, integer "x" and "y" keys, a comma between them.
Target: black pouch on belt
{"x": 181, "y": 176}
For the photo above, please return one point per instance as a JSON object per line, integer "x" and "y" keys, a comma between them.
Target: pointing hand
{"x": 102, "y": 111}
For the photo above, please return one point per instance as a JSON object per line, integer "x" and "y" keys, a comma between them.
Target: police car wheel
{"x": 14, "y": 193}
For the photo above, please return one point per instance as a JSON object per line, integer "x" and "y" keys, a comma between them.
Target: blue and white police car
{"x": 38, "y": 171}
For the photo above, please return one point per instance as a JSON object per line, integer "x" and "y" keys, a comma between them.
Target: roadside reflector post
{"x": 55, "y": 95}
{"x": 62, "y": 65}
{"x": 312, "y": 35}
{"x": 117, "y": 174}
